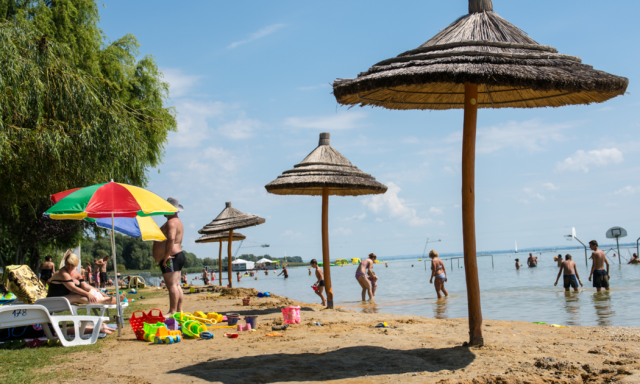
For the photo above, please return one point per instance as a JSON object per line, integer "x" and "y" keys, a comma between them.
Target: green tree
{"x": 75, "y": 109}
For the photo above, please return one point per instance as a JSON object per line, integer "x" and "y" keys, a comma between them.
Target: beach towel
{"x": 22, "y": 282}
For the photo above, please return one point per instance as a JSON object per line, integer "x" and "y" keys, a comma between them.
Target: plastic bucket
{"x": 291, "y": 315}
{"x": 253, "y": 320}
{"x": 246, "y": 301}
{"x": 232, "y": 318}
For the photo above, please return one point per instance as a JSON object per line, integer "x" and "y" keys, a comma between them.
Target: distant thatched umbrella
{"x": 220, "y": 238}
{"x": 479, "y": 61}
{"x": 325, "y": 172}
{"x": 228, "y": 220}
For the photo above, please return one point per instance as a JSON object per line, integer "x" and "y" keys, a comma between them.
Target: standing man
{"x": 320, "y": 283}
{"x": 571, "y": 277}
{"x": 600, "y": 276}
{"x": 168, "y": 254}
{"x": 101, "y": 277}
{"x": 286, "y": 273}
{"x": 532, "y": 261}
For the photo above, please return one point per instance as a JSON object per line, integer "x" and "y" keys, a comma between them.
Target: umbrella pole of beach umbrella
{"x": 468, "y": 212}
{"x": 220, "y": 265}
{"x": 230, "y": 277}
{"x": 325, "y": 247}
{"x": 115, "y": 271}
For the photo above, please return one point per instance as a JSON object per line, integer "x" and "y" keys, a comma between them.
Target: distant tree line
{"x": 211, "y": 261}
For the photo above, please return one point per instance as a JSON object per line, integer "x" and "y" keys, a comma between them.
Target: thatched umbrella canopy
{"x": 228, "y": 220}
{"x": 325, "y": 172}
{"x": 479, "y": 61}
{"x": 220, "y": 238}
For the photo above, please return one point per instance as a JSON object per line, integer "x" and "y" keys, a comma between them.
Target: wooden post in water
{"x": 468, "y": 212}
{"x": 220, "y": 265}
{"x": 230, "y": 277}
{"x": 325, "y": 247}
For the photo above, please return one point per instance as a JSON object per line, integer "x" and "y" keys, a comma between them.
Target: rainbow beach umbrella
{"x": 104, "y": 204}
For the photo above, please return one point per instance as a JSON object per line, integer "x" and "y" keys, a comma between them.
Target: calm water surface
{"x": 507, "y": 294}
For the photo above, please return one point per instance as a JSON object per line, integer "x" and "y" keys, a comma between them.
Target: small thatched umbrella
{"x": 220, "y": 238}
{"x": 228, "y": 220}
{"x": 479, "y": 61}
{"x": 325, "y": 172}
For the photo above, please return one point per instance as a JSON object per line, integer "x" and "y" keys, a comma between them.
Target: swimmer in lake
{"x": 518, "y": 265}
{"x": 634, "y": 259}
{"x": 600, "y": 276}
{"x": 571, "y": 277}
{"x": 532, "y": 261}
{"x": 439, "y": 272}
{"x": 560, "y": 261}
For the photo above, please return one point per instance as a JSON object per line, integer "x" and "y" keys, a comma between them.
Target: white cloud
{"x": 550, "y": 186}
{"x": 395, "y": 206}
{"x": 343, "y": 120}
{"x": 242, "y": 128}
{"x": 180, "y": 84}
{"x": 456, "y": 206}
{"x": 378, "y": 220}
{"x": 319, "y": 86}
{"x": 436, "y": 210}
{"x": 342, "y": 231}
{"x": 627, "y": 191}
{"x": 290, "y": 233}
{"x": 193, "y": 124}
{"x": 529, "y": 135}
{"x": 214, "y": 158}
{"x": 583, "y": 161}
{"x": 257, "y": 35}
{"x": 356, "y": 217}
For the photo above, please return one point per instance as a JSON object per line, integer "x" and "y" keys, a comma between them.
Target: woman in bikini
{"x": 363, "y": 270}
{"x": 63, "y": 284}
{"x": 439, "y": 272}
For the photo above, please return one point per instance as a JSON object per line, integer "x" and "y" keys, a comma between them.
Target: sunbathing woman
{"x": 62, "y": 284}
{"x": 438, "y": 271}
{"x": 363, "y": 270}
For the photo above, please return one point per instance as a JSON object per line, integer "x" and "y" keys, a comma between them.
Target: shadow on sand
{"x": 266, "y": 311}
{"x": 345, "y": 363}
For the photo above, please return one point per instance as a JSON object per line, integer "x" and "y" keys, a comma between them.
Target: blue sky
{"x": 251, "y": 84}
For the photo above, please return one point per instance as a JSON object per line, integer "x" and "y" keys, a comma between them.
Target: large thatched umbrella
{"x": 228, "y": 220}
{"x": 479, "y": 61}
{"x": 325, "y": 172}
{"x": 220, "y": 238}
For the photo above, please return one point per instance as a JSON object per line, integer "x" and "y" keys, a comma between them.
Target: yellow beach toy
{"x": 209, "y": 316}
{"x": 165, "y": 336}
{"x": 186, "y": 316}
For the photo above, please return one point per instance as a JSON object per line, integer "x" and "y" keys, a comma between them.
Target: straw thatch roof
{"x": 231, "y": 219}
{"x": 512, "y": 69}
{"x": 325, "y": 168}
{"x": 220, "y": 237}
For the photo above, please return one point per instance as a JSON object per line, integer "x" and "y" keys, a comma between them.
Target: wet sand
{"x": 348, "y": 348}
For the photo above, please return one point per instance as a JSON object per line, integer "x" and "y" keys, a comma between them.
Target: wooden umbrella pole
{"x": 325, "y": 247}
{"x": 468, "y": 212}
{"x": 230, "y": 277}
{"x": 220, "y": 265}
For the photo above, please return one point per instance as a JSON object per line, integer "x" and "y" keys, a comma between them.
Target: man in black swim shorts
{"x": 169, "y": 256}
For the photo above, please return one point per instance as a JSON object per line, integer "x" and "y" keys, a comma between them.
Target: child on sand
{"x": 320, "y": 283}
{"x": 439, "y": 272}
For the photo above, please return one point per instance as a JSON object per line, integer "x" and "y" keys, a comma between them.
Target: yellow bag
{"x": 22, "y": 282}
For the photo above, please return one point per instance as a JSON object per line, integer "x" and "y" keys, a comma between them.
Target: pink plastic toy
{"x": 245, "y": 327}
{"x": 291, "y": 315}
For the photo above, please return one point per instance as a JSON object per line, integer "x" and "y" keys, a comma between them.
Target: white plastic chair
{"x": 28, "y": 314}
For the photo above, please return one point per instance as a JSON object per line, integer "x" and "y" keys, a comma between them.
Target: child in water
{"x": 374, "y": 283}
{"x": 518, "y": 265}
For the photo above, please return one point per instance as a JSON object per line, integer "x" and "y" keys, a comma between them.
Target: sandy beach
{"x": 348, "y": 348}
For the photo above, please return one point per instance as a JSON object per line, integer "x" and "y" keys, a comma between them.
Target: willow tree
{"x": 75, "y": 108}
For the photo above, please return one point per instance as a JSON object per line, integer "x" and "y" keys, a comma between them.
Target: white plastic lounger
{"x": 28, "y": 314}
{"x": 61, "y": 304}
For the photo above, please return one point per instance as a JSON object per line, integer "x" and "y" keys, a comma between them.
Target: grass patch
{"x": 30, "y": 365}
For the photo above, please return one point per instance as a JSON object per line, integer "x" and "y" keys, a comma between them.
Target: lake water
{"x": 506, "y": 293}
